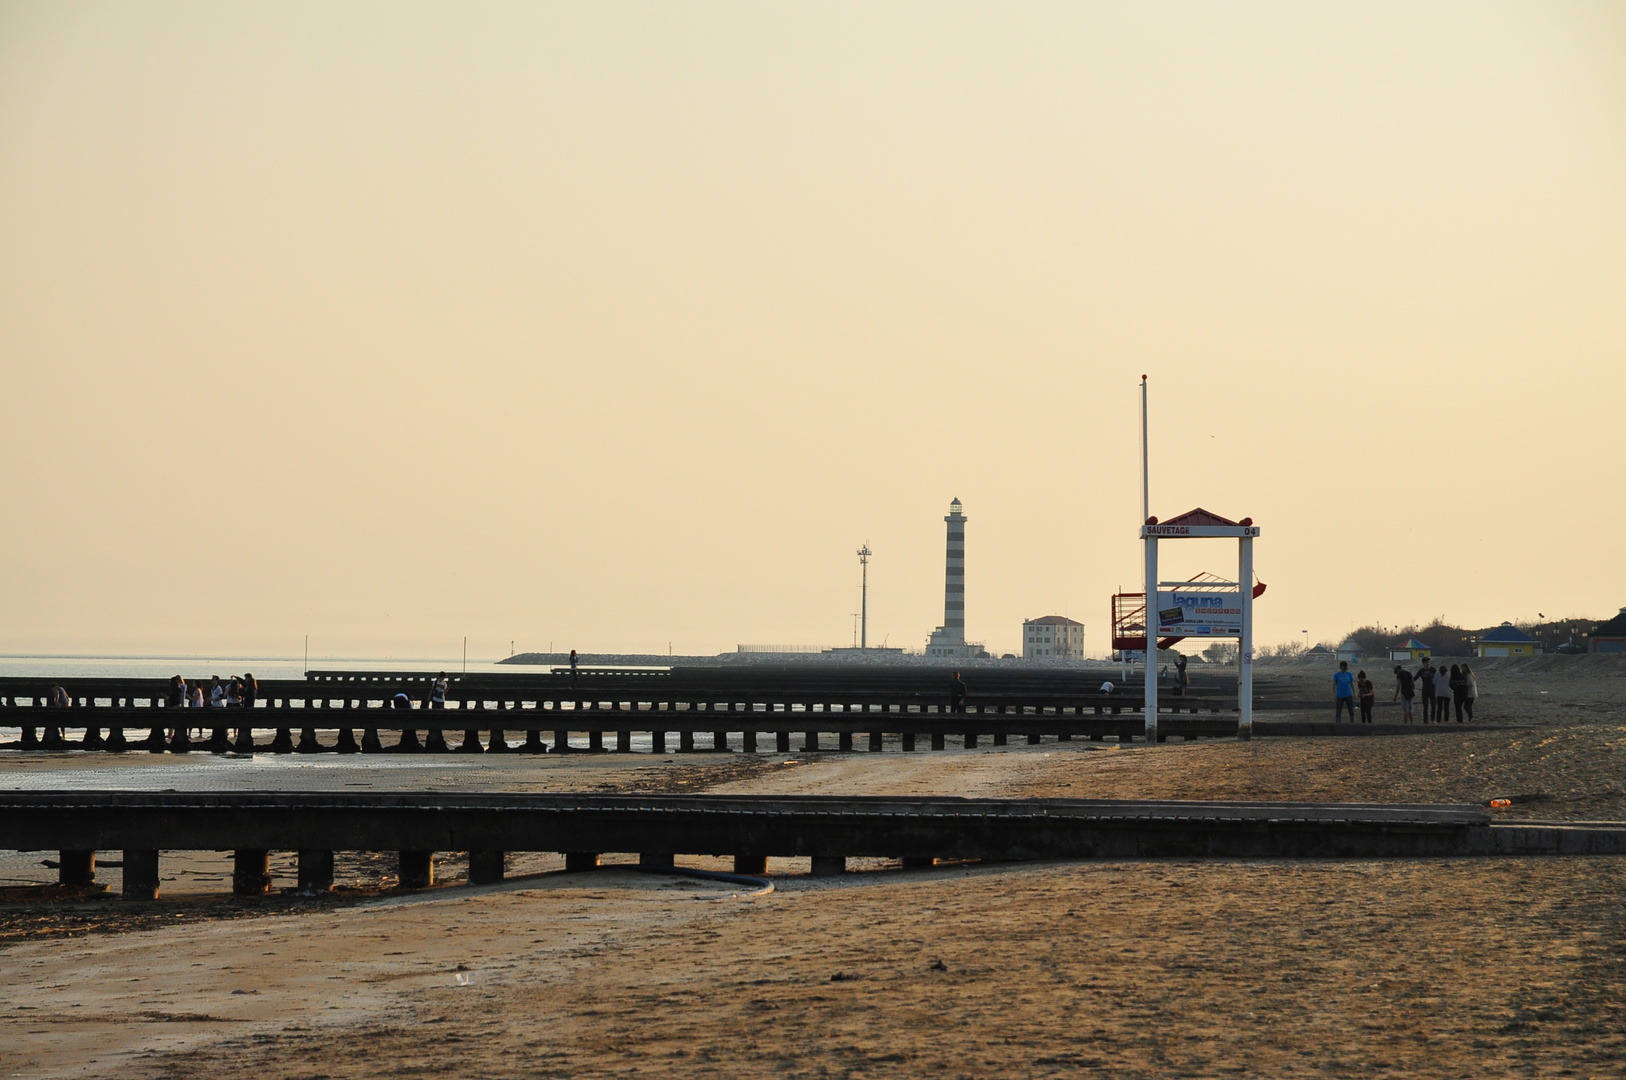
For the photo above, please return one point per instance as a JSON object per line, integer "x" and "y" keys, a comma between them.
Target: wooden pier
{"x": 681, "y": 710}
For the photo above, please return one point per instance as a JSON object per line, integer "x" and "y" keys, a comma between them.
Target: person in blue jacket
{"x": 1343, "y": 686}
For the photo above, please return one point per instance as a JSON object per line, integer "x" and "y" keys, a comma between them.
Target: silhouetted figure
{"x": 573, "y": 671}
{"x": 957, "y": 694}
{"x": 1368, "y": 695}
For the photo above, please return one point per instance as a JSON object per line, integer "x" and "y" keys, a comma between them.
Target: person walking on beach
{"x": 1343, "y": 690}
{"x": 1405, "y": 690}
{"x": 1459, "y": 689}
{"x": 437, "y": 694}
{"x": 1470, "y": 691}
{"x": 1425, "y": 681}
{"x": 1368, "y": 695}
{"x": 1442, "y": 695}
{"x": 957, "y": 694}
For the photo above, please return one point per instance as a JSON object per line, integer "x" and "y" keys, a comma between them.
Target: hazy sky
{"x": 618, "y": 325}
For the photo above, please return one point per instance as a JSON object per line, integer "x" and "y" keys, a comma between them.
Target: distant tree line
{"x": 1446, "y": 639}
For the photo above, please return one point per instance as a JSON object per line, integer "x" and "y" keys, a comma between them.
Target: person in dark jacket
{"x": 957, "y": 694}
{"x": 1405, "y": 691}
{"x": 1459, "y": 689}
{"x": 1368, "y": 696}
{"x": 1425, "y": 680}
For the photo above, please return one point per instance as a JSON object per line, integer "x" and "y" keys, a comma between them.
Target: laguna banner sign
{"x": 1199, "y": 614}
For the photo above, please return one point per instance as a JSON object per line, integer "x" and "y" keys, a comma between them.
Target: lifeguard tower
{"x": 1206, "y": 606}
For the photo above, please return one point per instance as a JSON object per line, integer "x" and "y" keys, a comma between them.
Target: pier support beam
{"x": 581, "y": 860}
{"x": 435, "y": 742}
{"x": 370, "y": 742}
{"x": 140, "y": 874}
{"x": 315, "y": 871}
{"x": 284, "y": 741}
{"x": 782, "y": 742}
{"x": 661, "y": 860}
{"x": 347, "y": 742}
{"x": 908, "y": 742}
{"x": 937, "y": 740}
{"x": 750, "y": 864}
{"x": 307, "y": 742}
{"x": 829, "y": 865}
{"x": 416, "y": 869}
{"x": 76, "y": 867}
{"x": 250, "y": 872}
{"x": 486, "y": 867}
{"x": 534, "y": 743}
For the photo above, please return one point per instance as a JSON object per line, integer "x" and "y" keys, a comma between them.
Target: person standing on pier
{"x": 957, "y": 694}
{"x": 572, "y": 669}
{"x": 437, "y": 693}
{"x": 217, "y": 693}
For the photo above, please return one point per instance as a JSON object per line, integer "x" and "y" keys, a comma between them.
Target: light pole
{"x": 1306, "y": 634}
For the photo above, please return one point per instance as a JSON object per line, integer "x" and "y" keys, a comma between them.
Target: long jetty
{"x": 827, "y": 829}
{"x": 682, "y": 709}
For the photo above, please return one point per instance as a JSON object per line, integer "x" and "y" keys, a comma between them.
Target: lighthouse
{"x": 948, "y": 640}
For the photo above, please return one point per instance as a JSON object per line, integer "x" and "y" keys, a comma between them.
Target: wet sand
{"x": 1202, "y": 968}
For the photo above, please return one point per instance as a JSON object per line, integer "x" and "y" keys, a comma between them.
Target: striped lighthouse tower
{"x": 954, "y": 578}
{"x": 948, "y": 640}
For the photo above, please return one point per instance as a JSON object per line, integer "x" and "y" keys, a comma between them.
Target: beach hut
{"x": 1409, "y": 652}
{"x": 1610, "y": 637}
{"x": 1508, "y": 640}
{"x": 1349, "y": 651}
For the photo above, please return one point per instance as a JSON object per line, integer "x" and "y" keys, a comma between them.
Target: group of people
{"x": 241, "y": 692}
{"x": 1440, "y": 689}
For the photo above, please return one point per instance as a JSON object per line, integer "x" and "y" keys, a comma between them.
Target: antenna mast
{"x": 863, "y": 592}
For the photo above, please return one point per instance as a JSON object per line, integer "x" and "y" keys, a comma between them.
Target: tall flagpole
{"x": 1149, "y": 543}
{"x": 1145, "y": 469}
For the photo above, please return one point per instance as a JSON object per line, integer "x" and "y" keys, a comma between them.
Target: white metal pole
{"x": 1244, "y": 682}
{"x": 1145, "y": 461}
{"x": 1151, "y": 636}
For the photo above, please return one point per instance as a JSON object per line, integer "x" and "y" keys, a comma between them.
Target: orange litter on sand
{"x": 1500, "y": 804}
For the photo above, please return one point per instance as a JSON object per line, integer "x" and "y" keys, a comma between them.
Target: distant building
{"x": 1053, "y": 637}
{"x": 1412, "y": 650}
{"x": 1508, "y": 640}
{"x": 1610, "y": 637}
{"x": 1349, "y": 652}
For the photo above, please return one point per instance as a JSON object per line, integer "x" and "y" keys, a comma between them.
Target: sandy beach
{"x": 1155, "y": 968}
